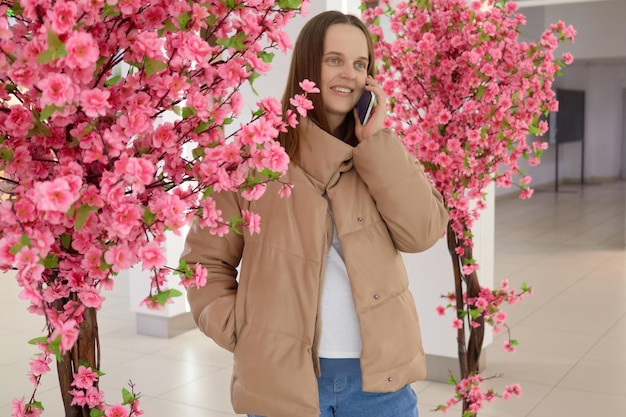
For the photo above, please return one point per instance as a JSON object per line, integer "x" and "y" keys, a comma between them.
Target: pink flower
{"x": 116, "y": 410}
{"x": 301, "y": 103}
{"x": 119, "y": 257}
{"x": 79, "y": 397}
{"x": 57, "y": 89}
{"x": 252, "y": 221}
{"x": 84, "y": 378}
{"x": 95, "y": 102}
{"x": 40, "y": 364}
{"x": 285, "y": 190}
{"x": 82, "y": 50}
{"x": 94, "y": 397}
{"x": 274, "y": 157}
{"x": 441, "y": 310}
{"x": 151, "y": 256}
{"x": 512, "y": 389}
{"x": 254, "y": 192}
{"x": 62, "y": 16}
{"x": 308, "y": 86}
{"x": 457, "y": 324}
{"x": 26, "y": 256}
{"x": 68, "y": 332}
{"x": 54, "y": 195}
{"x": 481, "y": 303}
{"x": 568, "y": 58}
{"x": 508, "y": 346}
{"x": 19, "y": 121}
{"x": 500, "y": 317}
{"x": 90, "y": 297}
{"x": 199, "y": 276}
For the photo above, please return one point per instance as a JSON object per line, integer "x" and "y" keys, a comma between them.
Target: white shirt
{"x": 341, "y": 337}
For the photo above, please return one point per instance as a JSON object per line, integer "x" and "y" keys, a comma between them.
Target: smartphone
{"x": 364, "y": 106}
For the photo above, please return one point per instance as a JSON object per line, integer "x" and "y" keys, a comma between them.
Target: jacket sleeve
{"x": 213, "y": 305}
{"x": 405, "y": 198}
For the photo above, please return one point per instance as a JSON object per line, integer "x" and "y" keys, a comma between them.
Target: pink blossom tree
{"x": 465, "y": 94}
{"x": 113, "y": 131}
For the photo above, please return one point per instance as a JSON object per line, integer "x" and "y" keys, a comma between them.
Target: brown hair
{"x": 306, "y": 63}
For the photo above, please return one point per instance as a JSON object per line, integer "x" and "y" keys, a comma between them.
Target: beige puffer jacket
{"x": 382, "y": 203}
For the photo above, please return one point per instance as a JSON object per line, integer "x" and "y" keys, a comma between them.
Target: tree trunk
{"x": 86, "y": 351}
{"x": 469, "y": 351}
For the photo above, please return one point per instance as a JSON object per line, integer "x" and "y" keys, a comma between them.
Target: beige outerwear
{"x": 382, "y": 203}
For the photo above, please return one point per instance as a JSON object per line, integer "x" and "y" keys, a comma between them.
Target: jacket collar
{"x": 322, "y": 156}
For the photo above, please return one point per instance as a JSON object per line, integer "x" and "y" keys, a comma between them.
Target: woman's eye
{"x": 333, "y": 60}
{"x": 361, "y": 65}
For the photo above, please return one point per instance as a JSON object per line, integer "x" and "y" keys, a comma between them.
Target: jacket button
{"x": 390, "y": 379}
{"x": 360, "y": 218}
{"x": 376, "y": 296}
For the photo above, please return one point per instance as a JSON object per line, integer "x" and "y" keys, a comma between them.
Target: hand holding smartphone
{"x": 365, "y": 105}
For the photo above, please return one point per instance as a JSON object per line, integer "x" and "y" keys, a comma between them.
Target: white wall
{"x": 600, "y": 27}
{"x": 600, "y": 70}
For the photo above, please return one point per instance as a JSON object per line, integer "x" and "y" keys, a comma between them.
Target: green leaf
{"x": 452, "y": 380}
{"x": 148, "y": 217}
{"x": 153, "y": 65}
{"x": 55, "y": 347}
{"x": 49, "y": 111}
{"x": 6, "y": 153}
{"x": 268, "y": 173}
{"x": 475, "y": 313}
{"x": 112, "y": 81}
{"x": 266, "y": 57}
{"x": 188, "y": 112}
{"x": 289, "y": 4}
{"x": 163, "y": 296}
{"x": 39, "y": 128}
{"x": 104, "y": 265}
{"x": 236, "y": 42}
{"x": 109, "y": 10}
{"x": 251, "y": 80}
{"x": 480, "y": 92}
{"x": 202, "y": 126}
{"x": 56, "y": 49}
{"x": 128, "y": 397}
{"x": 51, "y": 261}
{"x": 94, "y": 412}
{"x": 198, "y": 153}
{"x": 183, "y": 269}
{"x": 16, "y": 9}
{"x": 82, "y": 214}
{"x": 207, "y": 192}
{"x": 183, "y": 19}
{"x": 38, "y": 340}
{"x": 234, "y": 221}
{"x": 36, "y": 404}
{"x": 168, "y": 26}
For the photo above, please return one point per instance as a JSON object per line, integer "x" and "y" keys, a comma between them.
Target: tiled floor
{"x": 571, "y": 360}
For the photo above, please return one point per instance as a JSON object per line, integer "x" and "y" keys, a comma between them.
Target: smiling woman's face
{"x": 344, "y": 71}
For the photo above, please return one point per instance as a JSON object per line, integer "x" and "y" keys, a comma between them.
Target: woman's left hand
{"x": 378, "y": 114}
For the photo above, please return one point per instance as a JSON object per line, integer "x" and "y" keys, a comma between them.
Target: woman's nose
{"x": 348, "y": 72}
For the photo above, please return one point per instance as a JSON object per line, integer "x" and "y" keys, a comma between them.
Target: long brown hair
{"x": 306, "y": 63}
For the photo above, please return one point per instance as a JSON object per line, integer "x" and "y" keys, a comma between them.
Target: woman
{"x": 321, "y": 320}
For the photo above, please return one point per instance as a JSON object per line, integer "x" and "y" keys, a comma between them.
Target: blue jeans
{"x": 341, "y": 395}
